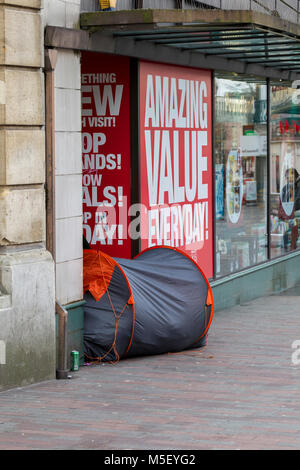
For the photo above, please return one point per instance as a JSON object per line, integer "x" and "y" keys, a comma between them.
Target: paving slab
{"x": 241, "y": 391}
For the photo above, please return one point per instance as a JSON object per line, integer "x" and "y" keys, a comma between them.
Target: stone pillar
{"x": 68, "y": 171}
{"x": 68, "y": 177}
{"x": 27, "y": 322}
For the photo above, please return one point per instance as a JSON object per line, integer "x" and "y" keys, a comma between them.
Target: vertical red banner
{"x": 105, "y": 86}
{"x": 176, "y": 160}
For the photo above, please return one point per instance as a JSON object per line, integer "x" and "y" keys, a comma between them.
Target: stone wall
{"x": 64, "y": 13}
{"x": 68, "y": 177}
{"x": 27, "y": 314}
{"x": 68, "y": 172}
{"x": 27, "y": 270}
{"x": 22, "y": 208}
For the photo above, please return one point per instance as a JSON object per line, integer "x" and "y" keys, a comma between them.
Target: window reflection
{"x": 284, "y": 169}
{"x": 240, "y": 173}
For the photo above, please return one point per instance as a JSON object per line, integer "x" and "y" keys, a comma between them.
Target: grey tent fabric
{"x": 172, "y": 309}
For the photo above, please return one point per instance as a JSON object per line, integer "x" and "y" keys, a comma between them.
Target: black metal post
{"x": 268, "y": 164}
{"x": 213, "y": 173}
{"x": 135, "y": 145}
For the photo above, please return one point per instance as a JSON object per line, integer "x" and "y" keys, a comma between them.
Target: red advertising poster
{"x": 106, "y": 152}
{"x": 176, "y": 160}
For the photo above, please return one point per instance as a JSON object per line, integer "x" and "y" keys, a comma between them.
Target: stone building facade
{"x": 28, "y": 272}
{"x": 41, "y": 258}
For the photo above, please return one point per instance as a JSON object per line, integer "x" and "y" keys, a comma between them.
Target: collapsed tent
{"x": 156, "y": 303}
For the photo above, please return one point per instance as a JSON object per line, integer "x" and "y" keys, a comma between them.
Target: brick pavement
{"x": 239, "y": 392}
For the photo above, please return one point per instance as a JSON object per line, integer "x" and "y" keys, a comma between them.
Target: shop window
{"x": 284, "y": 170}
{"x": 240, "y": 173}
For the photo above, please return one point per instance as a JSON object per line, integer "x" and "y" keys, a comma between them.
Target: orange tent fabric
{"x": 98, "y": 269}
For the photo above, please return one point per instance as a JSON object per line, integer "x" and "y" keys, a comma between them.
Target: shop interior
{"x": 242, "y": 168}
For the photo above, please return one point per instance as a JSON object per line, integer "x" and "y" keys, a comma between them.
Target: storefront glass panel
{"x": 284, "y": 170}
{"x": 240, "y": 173}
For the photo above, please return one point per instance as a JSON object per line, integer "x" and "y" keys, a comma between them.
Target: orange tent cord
{"x": 117, "y": 317}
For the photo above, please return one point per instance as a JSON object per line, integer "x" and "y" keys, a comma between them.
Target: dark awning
{"x": 236, "y": 41}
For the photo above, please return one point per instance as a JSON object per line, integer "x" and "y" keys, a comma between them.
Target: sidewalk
{"x": 239, "y": 392}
